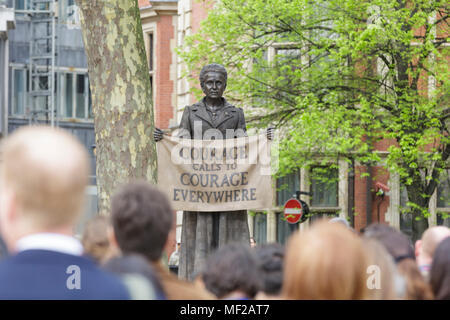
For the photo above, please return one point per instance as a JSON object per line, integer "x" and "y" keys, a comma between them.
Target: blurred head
{"x": 142, "y": 219}
{"x": 340, "y": 220}
{"x": 396, "y": 243}
{"x": 390, "y": 285}
{"x": 327, "y": 261}
{"x": 43, "y": 176}
{"x": 232, "y": 269}
{"x": 440, "y": 271}
{"x": 270, "y": 260}
{"x": 416, "y": 286}
{"x": 427, "y": 245}
{"x": 95, "y": 238}
{"x": 138, "y": 276}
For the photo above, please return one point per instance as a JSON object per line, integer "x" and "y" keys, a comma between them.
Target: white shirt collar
{"x": 52, "y": 242}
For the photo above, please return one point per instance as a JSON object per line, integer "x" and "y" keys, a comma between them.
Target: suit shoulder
{"x": 240, "y": 110}
{"x": 194, "y": 106}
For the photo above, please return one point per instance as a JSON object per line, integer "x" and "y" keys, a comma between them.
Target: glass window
{"x": 19, "y": 95}
{"x": 91, "y": 115}
{"x": 68, "y": 101}
{"x": 284, "y": 229}
{"x": 443, "y": 190}
{"x": 289, "y": 56}
{"x": 68, "y": 10}
{"x": 75, "y": 99}
{"x": 286, "y": 187}
{"x": 19, "y": 4}
{"x": 260, "y": 228}
{"x": 80, "y": 96}
{"x": 150, "y": 51}
{"x": 324, "y": 187}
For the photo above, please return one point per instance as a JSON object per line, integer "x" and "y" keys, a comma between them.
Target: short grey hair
{"x": 213, "y": 67}
{"x": 341, "y": 221}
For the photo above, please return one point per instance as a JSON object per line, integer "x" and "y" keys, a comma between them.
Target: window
{"x": 75, "y": 100}
{"x": 151, "y": 58}
{"x": 443, "y": 190}
{"x": 22, "y": 4}
{"x": 80, "y": 96}
{"x": 19, "y": 4}
{"x": 443, "y": 199}
{"x": 284, "y": 229}
{"x": 68, "y": 12}
{"x": 287, "y": 186}
{"x": 324, "y": 187}
{"x": 67, "y": 98}
{"x": 260, "y": 228}
{"x": 289, "y": 56}
{"x": 71, "y": 90}
{"x": 150, "y": 51}
{"x": 19, "y": 89}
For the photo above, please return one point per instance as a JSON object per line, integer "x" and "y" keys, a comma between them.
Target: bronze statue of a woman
{"x": 203, "y": 232}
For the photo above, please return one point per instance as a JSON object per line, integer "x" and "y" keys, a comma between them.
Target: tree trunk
{"x": 419, "y": 222}
{"x": 121, "y": 94}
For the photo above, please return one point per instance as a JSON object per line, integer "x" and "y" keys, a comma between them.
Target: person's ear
{"x": 8, "y": 218}
{"x": 8, "y": 207}
{"x": 418, "y": 248}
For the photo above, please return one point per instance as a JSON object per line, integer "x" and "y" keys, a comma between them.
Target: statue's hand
{"x": 158, "y": 134}
{"x": 270, "y": 133}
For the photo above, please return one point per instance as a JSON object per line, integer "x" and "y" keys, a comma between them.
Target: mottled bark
{"x": 121, "y": 96}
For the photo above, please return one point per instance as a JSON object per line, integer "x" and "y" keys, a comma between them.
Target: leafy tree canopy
{"x": 337, "y": 77}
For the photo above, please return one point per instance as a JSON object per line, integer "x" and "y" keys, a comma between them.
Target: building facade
{"x": 352, "y": 194}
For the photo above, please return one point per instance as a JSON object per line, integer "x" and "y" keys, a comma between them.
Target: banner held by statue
{"x": 216, "y": 175}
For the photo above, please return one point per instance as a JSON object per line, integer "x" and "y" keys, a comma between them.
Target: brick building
{"x": 352, "y": 196}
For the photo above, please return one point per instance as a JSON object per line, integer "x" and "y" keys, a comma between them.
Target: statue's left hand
{"x": 270, "y": 133}
{"x": 158, "y": 134}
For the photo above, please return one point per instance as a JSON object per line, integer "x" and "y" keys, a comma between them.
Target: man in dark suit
{"x": 142, "y": 219}
{"x": 43, "y": 175}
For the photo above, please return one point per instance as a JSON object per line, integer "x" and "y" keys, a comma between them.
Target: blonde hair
{"x": 325, "y": 262}
{"x": 47, "y": 170}
{"x": 380, "y": 257}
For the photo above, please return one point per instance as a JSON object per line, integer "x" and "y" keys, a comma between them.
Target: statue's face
{"x": 214, "y": 85}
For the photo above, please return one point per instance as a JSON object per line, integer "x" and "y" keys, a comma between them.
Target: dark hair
{"x": 213, "y": 67}
{"x": 138, "y": 265}
{"x": 232, "y": 267}
{"x": 396, "y": 243}
{"x": 270, "y": 260}
{"x": 440, "y": 271}
{"x": 142, "y": 219}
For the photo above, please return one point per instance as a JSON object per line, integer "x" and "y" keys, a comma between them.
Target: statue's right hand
{"x": 158, "y": 134}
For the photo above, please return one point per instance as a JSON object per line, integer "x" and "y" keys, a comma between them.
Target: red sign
{"x": 293, "y": 210}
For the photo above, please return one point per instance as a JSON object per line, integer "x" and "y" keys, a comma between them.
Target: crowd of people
{"x": 43, "y": 175}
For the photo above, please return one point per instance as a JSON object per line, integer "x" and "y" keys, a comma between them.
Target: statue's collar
{"x": 226, "y": 104}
